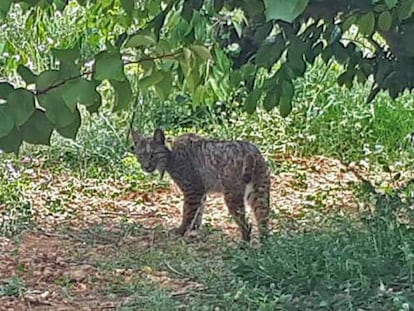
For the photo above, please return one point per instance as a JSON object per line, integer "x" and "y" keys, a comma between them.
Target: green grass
{"x": 16, "y": 214}
{"x": 343, "y": 270}
{"x": 12, "y": 287}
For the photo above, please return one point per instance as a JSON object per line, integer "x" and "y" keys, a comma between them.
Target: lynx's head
{"x": 152, "y": 153}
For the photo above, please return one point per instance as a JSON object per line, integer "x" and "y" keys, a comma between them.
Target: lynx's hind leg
{"x": 236, "y": 207}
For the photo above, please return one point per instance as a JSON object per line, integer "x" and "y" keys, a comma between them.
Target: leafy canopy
{"x": 233, "y": 51}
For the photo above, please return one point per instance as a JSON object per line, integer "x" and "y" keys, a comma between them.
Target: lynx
{"x": 199, "y": 166}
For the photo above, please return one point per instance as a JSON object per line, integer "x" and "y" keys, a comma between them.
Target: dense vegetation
{"x": 235, "y": 52}
{"x": 81, "y": 224}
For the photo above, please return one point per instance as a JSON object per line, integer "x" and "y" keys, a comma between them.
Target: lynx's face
{"x": 151, "y": 152}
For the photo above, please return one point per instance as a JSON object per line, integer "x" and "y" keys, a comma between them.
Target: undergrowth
{"x": 368, "y": 266}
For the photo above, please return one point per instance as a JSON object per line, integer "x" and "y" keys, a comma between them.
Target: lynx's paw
{"x": 185, "y": 231}
{"x": 181, "y": 230}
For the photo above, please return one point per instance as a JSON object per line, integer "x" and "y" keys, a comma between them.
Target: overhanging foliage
{"x": 232, "y": 51}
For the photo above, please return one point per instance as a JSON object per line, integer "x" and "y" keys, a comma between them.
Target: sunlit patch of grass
{"x": 15, "y": 210}
{"x": 343, "y": 267}
{"x": 12, "y": 287}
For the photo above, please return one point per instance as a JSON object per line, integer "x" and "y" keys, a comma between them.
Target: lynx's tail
{"x": 257, "y": 193}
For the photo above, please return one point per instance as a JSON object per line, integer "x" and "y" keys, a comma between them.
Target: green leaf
{"x": 5, "y": 7}
{"x": 60, "y": 4}
{"x": 68, "y": 71}
{"x": 189, "y": 6}
{"x": 272, "y": 99}
{"x": 6, "y": 120}
{"x": 109, "y": 66}
{"x": 285, "y": 72}
{"x": 5, "y": 89}
{"x": 340, "y": 52}
{"x": 255, "y": 9}
{"x": 79, "y": 91}
{"x": 56, "y": 110}
{"x": 297, "y": 66}
{"x": 285, "y": 106}
{"x": 148, "y": 65}
{"x": 199, "y": 95}
{"x": 151, "y": 80}
{"x": 141, "y": 38}
{"x": 385, "y": 21}
{"x": 366, "y": 68}
{"x": 128, "y": 6}
{"x": 346, "y": 78}
{"x": 27, "y": 75}
{"x": 263, "y": 31}
{"x": 361, "y": 77}
{"x": 270, "y": 52}
{"x": 295, "y": 56}
{"x": 11, "y": 142}
{"x": 37, "y": 129}
{"x": 67, "y": 55}
{"x": 366, "y": 24}
{"x": 391, "y": 3}
{"x": 47, "y": 80}
{"x": 187, "y": 61}
{"x": 218, "y": 5}
{"x": 71, "y": 130}
{"x": 21, "y": 105}
{"x": 163, "y": 88}
{"x": 235, "y": 78}
{"x": 327, "y": 54}
{"x": 287, "y": 90}
{"x": 193, "y": 79}
{"x": 349, "y": 21}
{"x": 285, "y": 103}
{"x": 252, "y": 100}
{"x": 201, "y": 51}
{"x": 312, "y": 53}
{"x": 284, "y": 10}
{"x": 96, "y": 105}
{"x": 222, "y": 61}
{"x": 405, "y": 10}
{"x": 123, "y": 95}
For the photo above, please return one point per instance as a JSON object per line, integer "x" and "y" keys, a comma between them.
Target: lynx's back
{"x": 219, "y": 164}
{"x": 200, "y": 165}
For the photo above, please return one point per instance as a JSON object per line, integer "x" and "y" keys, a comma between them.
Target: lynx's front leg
{"x": 193, "y": 209}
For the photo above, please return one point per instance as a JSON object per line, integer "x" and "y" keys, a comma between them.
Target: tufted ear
{"x": 159, "y": 136}
{"x": 135, "y": 136}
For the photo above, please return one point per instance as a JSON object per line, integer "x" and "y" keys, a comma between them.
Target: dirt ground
{"x": 56, "y": 252}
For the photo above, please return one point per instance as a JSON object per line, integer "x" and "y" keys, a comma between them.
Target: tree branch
{"x": 54, "y": 86}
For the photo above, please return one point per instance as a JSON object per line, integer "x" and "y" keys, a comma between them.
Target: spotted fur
{"x": 200, "y": 166}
